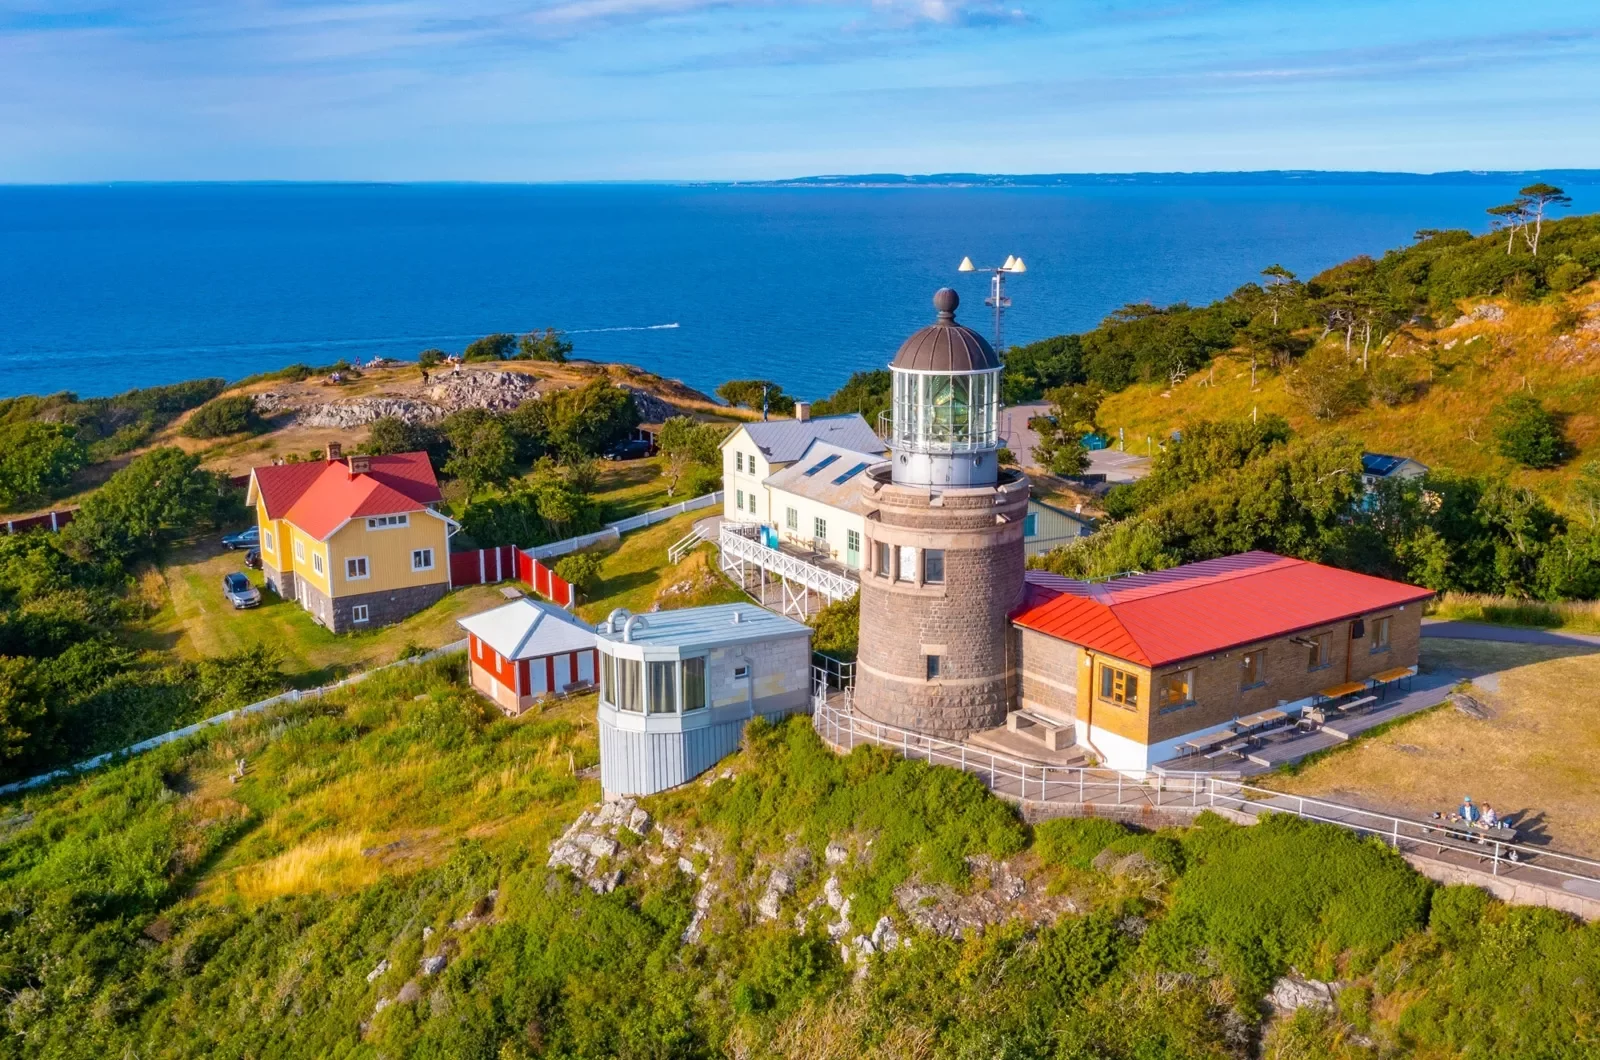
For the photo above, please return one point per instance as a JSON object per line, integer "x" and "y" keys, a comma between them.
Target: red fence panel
{"x": 506, "y": 563}
{"x": 44, "y": 521}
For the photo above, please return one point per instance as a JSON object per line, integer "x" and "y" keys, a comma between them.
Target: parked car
{"x": 250, "y": 538}
{"x": 240, "y": 593}
{"x": 252, "y": 559}
{"x": 632, "y": 449}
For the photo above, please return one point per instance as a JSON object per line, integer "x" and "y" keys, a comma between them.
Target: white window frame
{"x": 299, "y": 551}
{"x": 741, "y": 673}
{"x": 738, "y": 460}
{"x": 317, "y": 563}
{"x": 366, "y": 568}
{"x": 388, "y": 522}
{"x": 791, "y": 520}
{"x": 360, "y": 614}
{"x": 267, "y": 543}
{"x": 738, "y": 500}
{"x": 423, "y": 553}
{"x": 820, "y": 526}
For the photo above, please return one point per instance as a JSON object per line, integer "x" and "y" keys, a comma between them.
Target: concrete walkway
{"x": 1452, "y": 630}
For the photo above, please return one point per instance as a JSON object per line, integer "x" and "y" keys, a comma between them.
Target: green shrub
{"x": 1525, "y": 431}
{"x": 1073, "y": 842}
{"x": 581, "y": 570}
{"x": 838, "y": 629}
{"x": 222, "y": 417}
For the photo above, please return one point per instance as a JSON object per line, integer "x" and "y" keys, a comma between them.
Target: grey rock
{"x": 481, "y": 389}
{"x": 435, "y": 964}
{"x": 427, "y": 933}
{"x": 835, "y": 854}
{"x": 1291, "y": 993}
{"x": 670, "y": 838}
{"x": 383, "y": 966}
{"x": 606, "y": 882}
{"x": 833, "y": 894}
{"x": 639, "y": 822}
{"x": 1470, "y": 706}
{"x": 685, "y": 865}
{"x": 651, "y": 408}
{"x": 359, "y": 412}
{"x": 884, "y": 936}
{"x": 383, "y": 1003}
{"x": 604, "y": 847}
{"x": 779, "y": 885}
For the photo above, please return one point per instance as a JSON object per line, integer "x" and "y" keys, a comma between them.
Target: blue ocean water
{"x": 107, "y": 288}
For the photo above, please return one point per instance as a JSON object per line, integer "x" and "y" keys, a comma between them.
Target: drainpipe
{"x": 1088, "y": 724}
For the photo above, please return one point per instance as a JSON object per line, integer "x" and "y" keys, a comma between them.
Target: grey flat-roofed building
{"x": 678, "y": 687}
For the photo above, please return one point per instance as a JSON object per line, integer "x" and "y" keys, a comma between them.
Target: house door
{"x": 852, "y": 551}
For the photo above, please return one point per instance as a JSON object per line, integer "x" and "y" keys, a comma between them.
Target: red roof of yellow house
{"x": 320, "y": 497}
{"x": 1201, "y": 608}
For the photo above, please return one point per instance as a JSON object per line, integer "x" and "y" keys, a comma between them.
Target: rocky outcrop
{"x": 651, "y": 408}
{"x": 1292, "y": 992}
{"x": 492, "y": 389}
{"x": 359, "y": 412}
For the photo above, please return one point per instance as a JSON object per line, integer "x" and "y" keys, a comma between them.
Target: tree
{"x": 390, "y": 434}
{"x": 481, "y": 450}
{"x": 1527, "y": 432}
{"x": 582, "y": 422}
{"x": 1509, "y": 218}
{"x": 688, "y": 445}
{"x": 37, "y": 459}
{"x": 546, "y": 345}
{"x": 581, "y": 570}
{"x": 430, "y": 357}
{"x": 1060, "y": 448}
{"x": 1040, "y": 366}
{"x": 1586, "y": 492}
{"x": 21, "y": 705}
{"x": 1280, "y": 286}
{"x": 1536, "y": 199}
{"x": 222, "y": 417}
{"x": 867, "y": 393}
{"x": 1327, "y": 385}
{"x": 496, "y": 347}
{"x": 752, "y": 393}
{"x": 161, "y": 496}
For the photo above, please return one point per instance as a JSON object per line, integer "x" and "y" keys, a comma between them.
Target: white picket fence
{"x": 291, "y": 696}
{"x": 615, "y": 530}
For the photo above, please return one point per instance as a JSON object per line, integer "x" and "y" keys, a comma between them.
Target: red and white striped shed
{"x": 526, "y": 650}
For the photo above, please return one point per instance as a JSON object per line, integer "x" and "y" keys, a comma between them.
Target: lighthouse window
{"x": 908, "y": 564}
{"x": 881, "y": 561}
{"x": 933, "y": 566}
{"x": 933, "y": 667}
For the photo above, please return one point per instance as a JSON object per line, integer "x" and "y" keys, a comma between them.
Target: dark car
{"x": 240, "y": 593}
{"x": 250, "y": 538}
{"x": 632, "y": 449}
{"x": 252, "y": 559}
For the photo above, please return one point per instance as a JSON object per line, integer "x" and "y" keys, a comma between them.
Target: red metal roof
{"x": 1201, "y": 608}
{"x": 319, "y": 497}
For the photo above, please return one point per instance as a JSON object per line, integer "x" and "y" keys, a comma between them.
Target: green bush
{"x": 1525, "y": 431}
{"x": 222, "y": 417}
{"x": 496, "y": 347}
{"x": 1073, "y": 842}
{"x": 581, "y": 570}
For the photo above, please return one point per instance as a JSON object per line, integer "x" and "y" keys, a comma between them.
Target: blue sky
{"x": 96, "y": 90}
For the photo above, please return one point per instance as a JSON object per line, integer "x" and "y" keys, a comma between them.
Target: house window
{"x": 738, "y": 460}
{"x": 358, "y": 613}
{"x": 933, "y": 667}
{"x": 852, "y": 542}
{"x": 1380, "y": 634}
{"x": 738, "y": 501}
{"x": 791, "y": 519}
{"x": 752, "y": 502}
{"x": 266, "y": 541}
{"x": 1319, "y": 651}
{"x": 422, "y": 559}
{"x": 1252, "y": 670}
{"x": 300, "y": 551}
{"x": 819, "y": 528}
{"x": 388, "y": 522}
{"x": 1177, "y": 691}
{"x": 1030, "y": 525}
{"x": 629, "y": 692}
{"x": 933, "y": 566}
{"x": 741, "y": 673}
{"x": 663, "y": 688}
{"x": 316, "y": 562}
{"x": 1119, "y": 687}
{"x": 355, "y": 567}
{"x": 751, "y": 461}
{"x": 908, "y": 564}
{"x": 694, "y": 684}
{"x": 881, "y": 562}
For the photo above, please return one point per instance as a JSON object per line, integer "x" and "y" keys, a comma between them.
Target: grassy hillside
{"x": 376, "y": 885}
{"x": 1461, "y": 372}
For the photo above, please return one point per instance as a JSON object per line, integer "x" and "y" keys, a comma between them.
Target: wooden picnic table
{"x": 1265, "y": 717}
{"x": 1349, "y": 688}
{"x": 1380, "y": 681}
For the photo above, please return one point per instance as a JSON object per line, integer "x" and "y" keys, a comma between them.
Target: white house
{"x": 754, "y": 451}
{"x": 815, "y": 501}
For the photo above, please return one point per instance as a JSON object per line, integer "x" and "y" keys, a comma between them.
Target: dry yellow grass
{"x": 1534, "y": 758}
{"x": 330, "y": 864}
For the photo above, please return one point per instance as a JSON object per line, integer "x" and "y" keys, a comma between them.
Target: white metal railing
{"x": 681, "y": 547}
{"x": 614, "y": 530}
{"x": 1109, "y": 788}
{"x": 737, "y": 548}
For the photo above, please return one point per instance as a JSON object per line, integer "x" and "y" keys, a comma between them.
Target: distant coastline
{"x": 1221, "y": 178}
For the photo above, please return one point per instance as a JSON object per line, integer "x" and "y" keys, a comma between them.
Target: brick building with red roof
{"x": 1143, "y": 664}
{"x": 354, "y": 541}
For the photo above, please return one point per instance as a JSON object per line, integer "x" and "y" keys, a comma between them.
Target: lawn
{"x": 1533, "y": 758}
{"x": 632, "y": 487}
{"x": 635, "y": 572}
{"x": 197, "y": 622}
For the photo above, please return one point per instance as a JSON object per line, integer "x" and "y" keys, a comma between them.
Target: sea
{"x": 105, "y": 288}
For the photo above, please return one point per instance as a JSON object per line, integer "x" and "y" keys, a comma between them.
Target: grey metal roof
{"x": 706, "y": 627}
{"x": 784, "y": 441}
{"x": 823, "y": 486}
{"x": 945, "y": 346}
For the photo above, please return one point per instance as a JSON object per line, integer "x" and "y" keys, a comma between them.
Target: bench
{"x": 1355, "y": 704}
{"x": 1380, "y": 683}
{"x": 1053, "y": 730}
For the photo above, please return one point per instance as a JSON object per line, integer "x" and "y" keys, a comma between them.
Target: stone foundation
{"x": 384, "y": 607}
{"x": 280, "y": 582}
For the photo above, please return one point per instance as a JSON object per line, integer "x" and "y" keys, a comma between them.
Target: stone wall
{"x": 280, "y": 582}
{"x": 390, "y": 605}
{"x": 1048, "y": 673}
{"x": 964, "y": 620}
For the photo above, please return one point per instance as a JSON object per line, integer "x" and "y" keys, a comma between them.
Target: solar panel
{"x": 852, "y": 473}
{"x": 830, "y": 458}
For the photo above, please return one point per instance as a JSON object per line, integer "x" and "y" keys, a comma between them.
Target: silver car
{"x": 240, "y": 593}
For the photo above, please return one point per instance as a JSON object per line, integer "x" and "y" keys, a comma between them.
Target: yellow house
{"x": 354, "y": 541}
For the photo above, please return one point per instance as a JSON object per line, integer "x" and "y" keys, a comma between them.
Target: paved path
{"x": 1453, "y": 630}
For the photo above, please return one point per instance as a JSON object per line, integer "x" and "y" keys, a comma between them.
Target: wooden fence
{"x": 487, "y": 566}
{"x": 44, "y": 520}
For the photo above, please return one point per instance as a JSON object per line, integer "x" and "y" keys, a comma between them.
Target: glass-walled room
{"x": 672, "y": 686}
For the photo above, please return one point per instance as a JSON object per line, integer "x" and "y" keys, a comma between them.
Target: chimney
{"x": 360, "y": 465}
{"x": 802, "y": 411}
{"x": 335, "y": 451}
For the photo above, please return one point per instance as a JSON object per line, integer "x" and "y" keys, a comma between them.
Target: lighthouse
{"x": 944, "y": 526}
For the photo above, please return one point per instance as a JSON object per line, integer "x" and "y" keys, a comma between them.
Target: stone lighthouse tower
{"x": 944, "y": 556}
